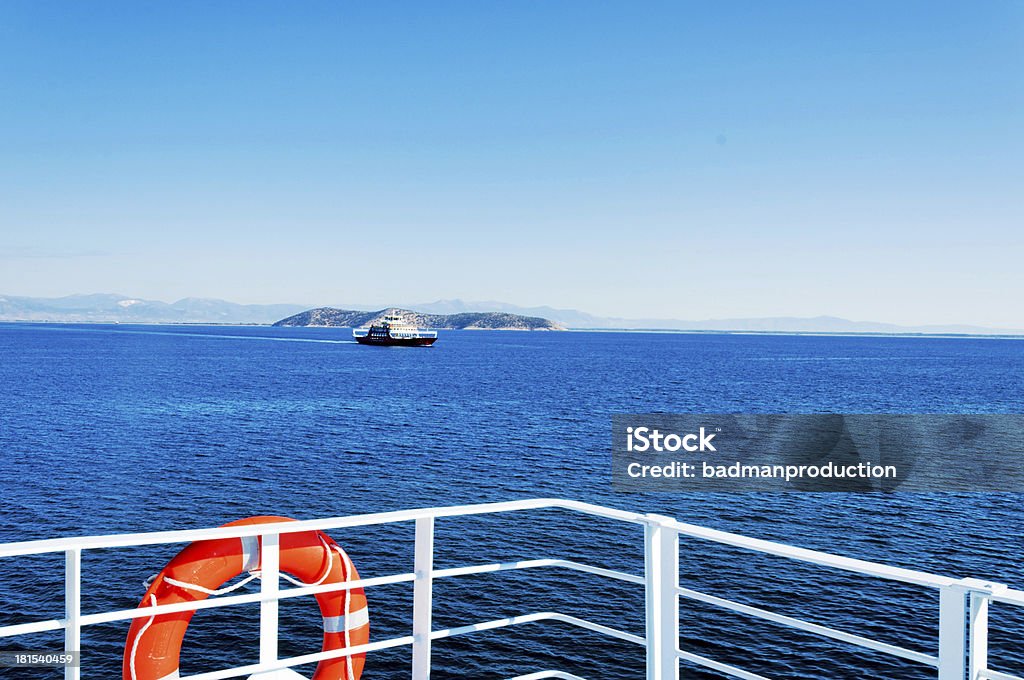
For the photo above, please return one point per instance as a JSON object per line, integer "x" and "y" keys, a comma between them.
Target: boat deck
{"x": 960, "y": 651}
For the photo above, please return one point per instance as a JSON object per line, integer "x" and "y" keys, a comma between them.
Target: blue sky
{"x": 687, "y": 160}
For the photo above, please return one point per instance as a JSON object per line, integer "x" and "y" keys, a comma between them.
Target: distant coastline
{"x": 127, "y": 325}
{"x": 113, "y": 308}
{"x": 836, "y": 334}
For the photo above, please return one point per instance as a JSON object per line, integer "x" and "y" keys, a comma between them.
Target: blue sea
{"x": 109, "y": 429}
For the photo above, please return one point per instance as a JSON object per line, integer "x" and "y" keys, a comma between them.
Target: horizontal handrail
{"x": 690, "y": 530}
{"x": 36, "y": 547}
{"x": 883, "y": 571}
{"x": 809, "y": 627}
{"x": 195, "y": 605}
{"x": 252, "y": 598}
{"x": 250, "y": 669}
{"x": 302, "y": 660}
{"x": 539, "y": 616}
{"x": 531, "y": 564}
{"x": 731, "y": 671}
{"x": 996, "y": 675}
{"x": 1009, "y": 596}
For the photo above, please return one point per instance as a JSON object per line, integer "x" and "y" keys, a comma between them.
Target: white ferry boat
{"x": 394, "y": 331}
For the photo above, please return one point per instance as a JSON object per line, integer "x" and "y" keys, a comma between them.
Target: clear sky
{"x": 676, "y": 159}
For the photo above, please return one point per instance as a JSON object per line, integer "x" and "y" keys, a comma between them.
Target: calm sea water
{"x": 132, "y": 428}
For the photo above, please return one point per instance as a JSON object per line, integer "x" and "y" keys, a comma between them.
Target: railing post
{"x": 661, "y": 576}
{"x": 977, "y": 647}
{"x": 980, "y": 594}
{"x": 952, "y": 632}
{"x": 73, "y": 610}
{"x": 270, "y": 565}
{"x": 963, "y": 628}
{"x": 422, "y": 598}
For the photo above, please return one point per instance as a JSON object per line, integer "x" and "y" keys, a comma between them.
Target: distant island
{"x": 353, "y": 318}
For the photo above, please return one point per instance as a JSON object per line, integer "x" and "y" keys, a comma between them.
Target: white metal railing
{"x": 962, "y": 644}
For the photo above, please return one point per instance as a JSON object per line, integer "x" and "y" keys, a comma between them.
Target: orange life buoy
{"x": 153, "y": 647}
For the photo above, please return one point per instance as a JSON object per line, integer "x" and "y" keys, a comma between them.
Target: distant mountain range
{"x": 110, "y": 308}
{"x": 575, "y": 319}
{"x": 107, "y": 308}
{"x": 351, "y": 318}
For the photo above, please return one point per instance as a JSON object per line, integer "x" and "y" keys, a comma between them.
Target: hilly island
{"x": 351, "y": 318}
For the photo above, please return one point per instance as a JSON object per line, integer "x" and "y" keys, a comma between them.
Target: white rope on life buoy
{"x": 219, "y": 591}
{"x": 135, "y": 642}
{"x": 256, "y": 573}
{"x": 346, "y": 567}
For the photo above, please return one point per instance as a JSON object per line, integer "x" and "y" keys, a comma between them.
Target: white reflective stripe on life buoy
{"x": 250, "y": 553}
{"x": 173, "y": 676}
{"x": 336, "y": 624}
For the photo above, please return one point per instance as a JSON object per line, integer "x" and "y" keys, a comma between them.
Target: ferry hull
{"x": 395, "y": 342}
